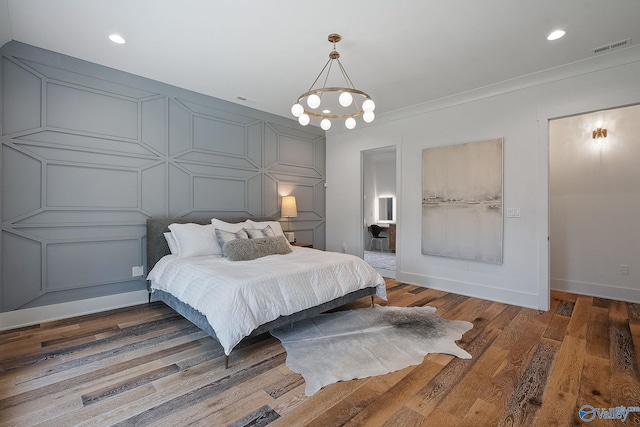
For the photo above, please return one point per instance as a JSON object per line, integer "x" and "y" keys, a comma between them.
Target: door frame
{"x": 544, "y": 116}
{"x": 363, "y": 227}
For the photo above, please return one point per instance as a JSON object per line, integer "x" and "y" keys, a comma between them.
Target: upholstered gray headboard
{"x": 156, "y": 227}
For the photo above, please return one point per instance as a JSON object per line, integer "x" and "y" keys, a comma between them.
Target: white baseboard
{"x": 47, "y": 313}
{"x": 391, "y": 274}
{"x": 474, "y": 290}
{"x": 596, "y": 290}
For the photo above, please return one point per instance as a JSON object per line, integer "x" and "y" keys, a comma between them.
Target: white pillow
{"x": 195, "y": 240}
{"x": 173, "y": 247}
{"x": 275, "y": 226}
{"x": 229, "y": 226}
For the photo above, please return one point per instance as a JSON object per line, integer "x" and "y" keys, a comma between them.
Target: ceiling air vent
{"x": 245, "y": 99}
{"x": 611, "y": 46}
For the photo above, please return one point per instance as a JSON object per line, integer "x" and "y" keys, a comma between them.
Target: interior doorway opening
{"x": 379, "y": 209}
{"x": 594, "y": 203}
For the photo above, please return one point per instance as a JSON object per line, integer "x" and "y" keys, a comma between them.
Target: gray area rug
{"x": 383, "y": 260}
{"x": 366, "y": 342}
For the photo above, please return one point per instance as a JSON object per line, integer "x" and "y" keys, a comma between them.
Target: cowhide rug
{"x": 360, "y": 343}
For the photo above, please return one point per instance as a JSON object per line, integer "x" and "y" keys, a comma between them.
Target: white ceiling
{"x": 401, "y": 52}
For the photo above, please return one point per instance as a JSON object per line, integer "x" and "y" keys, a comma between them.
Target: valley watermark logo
{"x": 588, "y": 413}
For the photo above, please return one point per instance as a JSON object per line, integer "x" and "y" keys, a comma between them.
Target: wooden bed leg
{"x": 149, "y": 298}
{"x": 372, "y": 304}
{"x": 226, "y": 362}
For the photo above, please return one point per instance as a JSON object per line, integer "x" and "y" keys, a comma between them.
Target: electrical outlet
{"x": 624, "y": 270}
{"x": 344, "y": 248}
{"x": 137, "y": 271}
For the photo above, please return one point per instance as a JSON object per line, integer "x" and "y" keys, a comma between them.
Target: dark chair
{"x": 375, "y": 230}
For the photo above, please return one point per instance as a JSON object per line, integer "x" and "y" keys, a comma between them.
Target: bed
{"x": 196, "y": 302}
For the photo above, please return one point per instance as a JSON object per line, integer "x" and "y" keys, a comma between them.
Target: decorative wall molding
{"x": 88, "y": 153}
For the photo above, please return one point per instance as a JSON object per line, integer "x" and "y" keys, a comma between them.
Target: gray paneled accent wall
{"x": 89, "y": 153}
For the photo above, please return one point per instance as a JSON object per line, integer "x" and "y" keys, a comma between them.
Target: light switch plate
{"x": 513, "y": 212}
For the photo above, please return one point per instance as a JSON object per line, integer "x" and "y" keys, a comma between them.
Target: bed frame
{"x": 157, "y": 248}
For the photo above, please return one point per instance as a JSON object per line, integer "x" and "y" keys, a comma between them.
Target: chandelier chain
{"x": 320, "y": 74}
{"x": 345, "y": 75}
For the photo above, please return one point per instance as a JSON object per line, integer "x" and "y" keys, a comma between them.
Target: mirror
{"x": 385, "y": 209}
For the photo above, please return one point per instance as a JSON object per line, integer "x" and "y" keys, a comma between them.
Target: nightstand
{"x": 303, "y": 245}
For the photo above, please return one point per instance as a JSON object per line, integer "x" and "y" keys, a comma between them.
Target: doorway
{"x": 594, "y": 203}
{"x": 379, "y": 209}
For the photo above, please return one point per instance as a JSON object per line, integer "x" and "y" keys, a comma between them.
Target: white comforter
{"x": 238, "y": 296}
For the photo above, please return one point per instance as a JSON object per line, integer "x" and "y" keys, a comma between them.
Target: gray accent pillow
{"x": 248, "y": 249}
{"x": 227, "y": 236}
{"x": 255, "y": 233}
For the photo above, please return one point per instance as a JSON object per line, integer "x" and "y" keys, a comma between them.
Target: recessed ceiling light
{"x": 117, "y": 38}
{"x": 555, "y": 35}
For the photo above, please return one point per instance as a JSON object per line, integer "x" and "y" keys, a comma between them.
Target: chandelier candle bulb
{"x": 304, "y": 120}
{"x": 297, "y": 110}
{"x": 345, "y": 99}
{"x": 339, "y": 102}
{"x": 313, "y": 101}
{"x": 350, "y": 123}
{"x": 368, "y": 116}
{"x": 368, "y": 105}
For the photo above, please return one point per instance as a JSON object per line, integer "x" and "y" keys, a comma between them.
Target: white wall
{"x": 385, "y": 167}
{"x": 379, "y": 176}
{"x": 517, "y": 110}
{"x": 594, "y": 204}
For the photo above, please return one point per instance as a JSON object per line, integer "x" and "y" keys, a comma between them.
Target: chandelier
{"x": 333, "y": 102}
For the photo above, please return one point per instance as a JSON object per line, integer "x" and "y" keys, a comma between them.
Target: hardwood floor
{"x": 146, "y": 365}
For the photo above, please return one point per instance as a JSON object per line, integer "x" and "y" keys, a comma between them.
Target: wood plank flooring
{"x": 146, "y": 365}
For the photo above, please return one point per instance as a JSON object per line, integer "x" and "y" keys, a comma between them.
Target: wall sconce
{"x": 289, "y": 210}
{"x": 599, "y": 133}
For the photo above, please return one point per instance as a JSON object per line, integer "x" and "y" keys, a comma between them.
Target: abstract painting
{"x": 462, "y": 201}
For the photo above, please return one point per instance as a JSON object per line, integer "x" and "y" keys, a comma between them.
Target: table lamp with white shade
{"x": 289, "y": 210}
